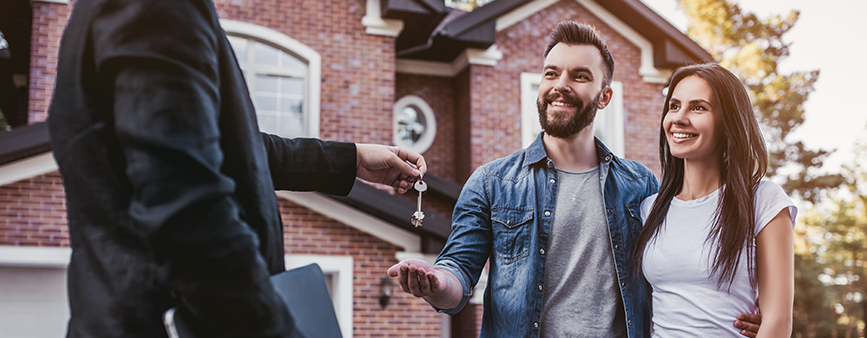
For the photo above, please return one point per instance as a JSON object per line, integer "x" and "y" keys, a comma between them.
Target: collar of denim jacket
{"x": 536, "y": 151}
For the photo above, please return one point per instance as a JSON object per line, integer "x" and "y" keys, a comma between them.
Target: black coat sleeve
{"x": 305, "y": 164}
{"x": 160, "y": 59}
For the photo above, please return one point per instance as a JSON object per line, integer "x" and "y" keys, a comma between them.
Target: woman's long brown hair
{"x": 744, "y": 163}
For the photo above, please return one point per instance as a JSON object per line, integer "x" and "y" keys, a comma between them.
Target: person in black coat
{"x": 169, "y": 183}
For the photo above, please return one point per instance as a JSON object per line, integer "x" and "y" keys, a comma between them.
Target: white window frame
{"x": 609, "y": 123}
{"x": 427, "y": 138}
{"x": 341, "y": 268}
{"x": 313, "y": 76}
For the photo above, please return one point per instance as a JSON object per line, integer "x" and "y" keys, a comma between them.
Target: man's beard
{"x": 579, "y": 121}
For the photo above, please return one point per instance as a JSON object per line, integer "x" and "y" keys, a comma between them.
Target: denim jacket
{"x": 504, "y": 214}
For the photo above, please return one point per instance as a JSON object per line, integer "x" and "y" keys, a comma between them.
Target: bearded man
{"x": 557, "y": 220}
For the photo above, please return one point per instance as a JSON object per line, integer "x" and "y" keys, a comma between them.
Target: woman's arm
{"x": 775, "y": 261}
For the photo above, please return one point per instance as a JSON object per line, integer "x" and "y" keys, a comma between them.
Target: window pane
{"x": 265, "y": 55}
{"x": 267, "y": 84}
{"x": 268, "y": 123}
{"x": 292, "y": 106}
{"x": 287, "y": 60}
{"x": 410, "y": 124}
{"x": 265, "y": 103}
{"x": 239, "y": 45}
{"x": 292, "y": 85}
{"x": 291, "y": 125}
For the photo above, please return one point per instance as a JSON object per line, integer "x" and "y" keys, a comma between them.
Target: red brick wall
{"x": 308, "y": 232}
{"x": 357, "y": 68}
{"x": 496, "y": 93}
{"x": 33, "y": 212}
{"x": 439, "y": 93}
{"x": 49, "y": 19}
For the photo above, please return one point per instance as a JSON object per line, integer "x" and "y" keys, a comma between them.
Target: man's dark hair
{"x": 573, "y": 33}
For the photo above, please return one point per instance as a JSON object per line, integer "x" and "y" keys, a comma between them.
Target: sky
{"x": 829, "y": 36}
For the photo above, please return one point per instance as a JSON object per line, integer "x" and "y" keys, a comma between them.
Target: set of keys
{"x": 420, "y": 187}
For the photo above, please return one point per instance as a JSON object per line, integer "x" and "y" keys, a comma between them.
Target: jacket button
{"x": 542, "y": 251}
{"x": 535, "y": 324}
{"x": 622, "y": 284}
{"x": 608, "y": 158}
{"x": 540, "y": 287}
{"x": 552, "y": 180}
{"x": 628, "y": 322}
{"x": 509, "y": 222}
{"x": 609, "y": 211}
{"x": 616, "y": 247}
{"x": 548, "y": 213}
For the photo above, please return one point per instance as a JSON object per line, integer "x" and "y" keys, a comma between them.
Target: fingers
{"x": 415, "y": 161}
{"x": 403, "y": 276}
{"x": 413, "y": 282}
{"x": 418, "y": 279}
{"x": 435, "y": 285}
{"x": 751, "y": 318}
{"x": 749, "y": 324}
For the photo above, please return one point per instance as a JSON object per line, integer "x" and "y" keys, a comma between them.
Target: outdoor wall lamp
{"x": 386, "y": 289}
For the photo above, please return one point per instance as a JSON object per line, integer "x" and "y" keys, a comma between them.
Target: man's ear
{"x": 605, "y": 98}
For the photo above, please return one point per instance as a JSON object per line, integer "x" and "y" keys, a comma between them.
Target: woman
{"x": 716, "y": 236}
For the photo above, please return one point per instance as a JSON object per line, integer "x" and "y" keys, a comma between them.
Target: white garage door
{"x": 33, "y": 302}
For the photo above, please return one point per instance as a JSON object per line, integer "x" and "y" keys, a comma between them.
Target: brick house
{"x": 459, "y": 87}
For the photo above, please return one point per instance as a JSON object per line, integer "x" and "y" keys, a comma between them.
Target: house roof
{"x": 477, "y": 29}
{"x": 27, "y": 141}
{"x": 23, "y": 142}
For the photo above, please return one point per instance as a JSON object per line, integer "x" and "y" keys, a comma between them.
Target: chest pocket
{"x": 512, "y": 230}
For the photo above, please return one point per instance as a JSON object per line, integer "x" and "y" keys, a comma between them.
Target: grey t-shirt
{"x": 581, "y": 297}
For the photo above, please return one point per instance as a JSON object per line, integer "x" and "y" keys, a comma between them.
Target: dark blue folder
{"x": 305, "y": 293}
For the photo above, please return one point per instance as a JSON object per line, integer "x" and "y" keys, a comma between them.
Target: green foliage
{"x": 752, "y": 47}
{"x": 831, "y": 257}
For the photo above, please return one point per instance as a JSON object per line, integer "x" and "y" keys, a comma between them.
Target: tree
{"x": 831, "y": 256}
{"x": 752, "y": 48}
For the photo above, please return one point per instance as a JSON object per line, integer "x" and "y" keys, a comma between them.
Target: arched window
{"x": 283, "y": 77}
{"x": 414, "y": 124}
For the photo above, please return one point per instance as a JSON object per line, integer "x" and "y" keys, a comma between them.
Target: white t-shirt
{"x": 678, "y": 265}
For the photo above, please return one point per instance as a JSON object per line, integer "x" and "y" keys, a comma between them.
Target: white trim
{"x": 488, "y": 57}
{"x": 647, "y": 70}
{"x": 342, "y": 267}
{"x": 430, "y": 68}
{"x": 34, "y": 257}
{"x": 376, "y": 25}
{"x": 354, "y": 218}
{"x": 429, "y": 134}
{"x": 529, "y": 113}
{"x": 314, "y": 64}
{"x": 29, "y": 167}
{"x": 521, "y": 13}
{"x": 610, "y": 122}
{"x": 470, "y": 56}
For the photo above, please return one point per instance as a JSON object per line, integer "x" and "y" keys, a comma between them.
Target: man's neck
{"x": 574, "y": 153}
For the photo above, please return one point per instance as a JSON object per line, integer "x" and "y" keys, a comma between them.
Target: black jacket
{"x": 169, "y": 183}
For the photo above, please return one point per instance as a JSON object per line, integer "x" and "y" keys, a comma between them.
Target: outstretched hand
{"x": 749, "y": 324}
{"x": 418, "y": 277}
{"x": 393, "y": 166}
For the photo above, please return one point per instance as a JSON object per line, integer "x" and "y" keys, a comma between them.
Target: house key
{"x": 418, "y": 216}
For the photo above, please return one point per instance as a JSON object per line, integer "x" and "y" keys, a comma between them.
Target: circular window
{"x": 414, "y": 124}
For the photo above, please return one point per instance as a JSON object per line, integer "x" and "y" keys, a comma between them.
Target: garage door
{"x": 33, "y": 302}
